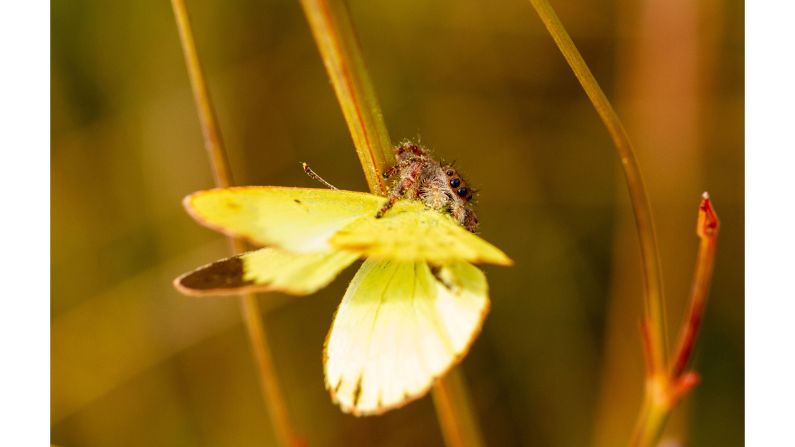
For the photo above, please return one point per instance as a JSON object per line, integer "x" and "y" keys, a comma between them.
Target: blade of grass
{"x": 252, "y": 317}
{"x": 339, "y": 48}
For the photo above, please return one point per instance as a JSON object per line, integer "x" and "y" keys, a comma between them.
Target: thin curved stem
{"x": 654, "y": 309}
{"x": 249, "y": 307}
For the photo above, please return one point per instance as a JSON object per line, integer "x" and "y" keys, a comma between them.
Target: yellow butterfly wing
{"x": 300, "y": 220}
{"x": 306, "y": 220}
{"x": 400, "y": 326}
{"x": 410, "y": 232}
{"x": 266, "y": 269}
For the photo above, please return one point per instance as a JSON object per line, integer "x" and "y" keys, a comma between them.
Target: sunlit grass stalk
{"x": 339, "y": 48}
{"x": 666, "y": 382}
{"x": 222, "y": 175}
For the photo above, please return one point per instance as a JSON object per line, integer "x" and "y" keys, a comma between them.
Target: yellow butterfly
{"x": 409, "y": 314}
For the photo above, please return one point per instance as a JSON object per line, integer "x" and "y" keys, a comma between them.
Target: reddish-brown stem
{"x": 707, "y": 229}
{"x": 664, "y": 388}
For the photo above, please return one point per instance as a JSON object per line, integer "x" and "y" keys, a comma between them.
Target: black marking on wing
{"x": 225, "y": 274}
{"x": 357, "y": 392}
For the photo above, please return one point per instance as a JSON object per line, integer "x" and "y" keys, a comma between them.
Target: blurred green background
{"x": 559, "y": 361}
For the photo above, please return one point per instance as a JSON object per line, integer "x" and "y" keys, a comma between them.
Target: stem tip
{"x": 708, "y": 223}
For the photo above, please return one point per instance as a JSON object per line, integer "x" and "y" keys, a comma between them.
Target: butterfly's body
{"x": 438, "y": 185}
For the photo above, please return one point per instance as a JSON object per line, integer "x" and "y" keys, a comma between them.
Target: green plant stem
{"x": 655, "y": 311}
{"x": 222, "y": 175}
{"x": 339, "y": 48}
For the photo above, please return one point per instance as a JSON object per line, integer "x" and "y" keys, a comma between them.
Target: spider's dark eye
{"x": 455, "y": 182}
{"x": 449, "y": 172}
{"x": 462, "y": 191}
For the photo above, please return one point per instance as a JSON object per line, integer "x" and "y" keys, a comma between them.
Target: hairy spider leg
{"x": 409, "y": 180}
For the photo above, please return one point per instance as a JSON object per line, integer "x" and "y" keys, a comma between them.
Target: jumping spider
{"x": 438, "y": 185}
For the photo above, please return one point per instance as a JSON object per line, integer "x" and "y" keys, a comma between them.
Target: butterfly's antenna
{"x": 316, "y": 177}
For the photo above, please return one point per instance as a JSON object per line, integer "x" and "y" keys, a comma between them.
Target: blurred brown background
{"x": 559, "y": 361}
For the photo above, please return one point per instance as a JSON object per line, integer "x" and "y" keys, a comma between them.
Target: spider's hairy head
{"x": 439, "y": 185}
